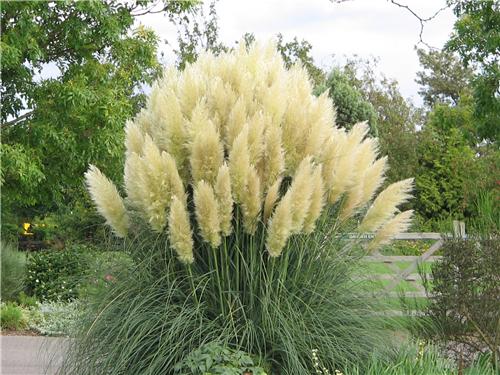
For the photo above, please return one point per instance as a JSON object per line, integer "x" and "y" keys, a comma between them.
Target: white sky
{"x": 368, "y": 28}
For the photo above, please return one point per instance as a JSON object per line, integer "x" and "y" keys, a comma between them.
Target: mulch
{"x": 11, "y": 332}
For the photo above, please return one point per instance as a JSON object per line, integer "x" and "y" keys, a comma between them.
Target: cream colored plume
{"x": 207, "y": 154}
{"x": 239, "y": 164}
{"x": 150, "y": 181}
{"x": 386, "y": 204}
{"x": 300, "y": 193}
{"x": 179, "y": 230}
{"x": 207, "y": 213}
{"x": 280, "y": 227}
{"x": 317, "y": 200}
{"x": 134, "y": 139}
{"x": 364, "y": 158}
{"x": 228, "y": 133}
{"x": 271, "y": 199}
{"x": 272, "y": 163}
{"x": 225, "y": 199}
{"x": 251, "y": 201}
{"x": 399, "y": 223}
{"x": 373, "y": 179}
{"x": 107, "y": 200}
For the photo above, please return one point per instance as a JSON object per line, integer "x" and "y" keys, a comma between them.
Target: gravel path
{"x": 31, "y": 355}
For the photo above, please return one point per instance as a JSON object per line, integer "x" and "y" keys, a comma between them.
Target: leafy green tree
{"x": 444, "y": 79}
{"x": 476, "y": 38}
{"x": 54, "y": 127}
{"x": 297, "y": 51}
{"x": 197, "y": 32}
{"x": 349, "y": 102}
{"x": 446, "y": 165}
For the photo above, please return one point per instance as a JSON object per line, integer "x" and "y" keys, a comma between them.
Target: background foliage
{"x": 53, "y": 127}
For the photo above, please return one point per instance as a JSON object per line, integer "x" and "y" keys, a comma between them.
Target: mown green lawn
{"x": 372, "y": 271}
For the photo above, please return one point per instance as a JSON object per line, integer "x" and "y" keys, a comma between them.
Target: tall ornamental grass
{"x": 240, "y": 190}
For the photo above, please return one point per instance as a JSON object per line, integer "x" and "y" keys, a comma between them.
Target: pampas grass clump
{"x": 239, "y": 189}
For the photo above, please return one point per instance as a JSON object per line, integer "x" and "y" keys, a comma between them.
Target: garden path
{"x": 31, "y": 355}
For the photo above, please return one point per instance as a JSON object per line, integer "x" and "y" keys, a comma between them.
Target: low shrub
{"x": 214, "y": 359}
{"x": 57, "y": 274}
{"x": 13, "y": 272}
{"x": 12, "y": 317}
{"x": 465, "y": 295}
{"x": 77, "y": 271}
{"x": 104, "y": 268}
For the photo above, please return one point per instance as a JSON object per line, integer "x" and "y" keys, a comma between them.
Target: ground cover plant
{"x": 239, "y": 192}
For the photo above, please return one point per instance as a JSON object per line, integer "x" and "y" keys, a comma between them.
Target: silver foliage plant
{"x": 241, "y": 133}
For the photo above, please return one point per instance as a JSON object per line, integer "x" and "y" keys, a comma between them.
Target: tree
{"x": 445, "y": 179}
{"x": 297, "y": 51}
{"x": 53, "y": 127}
{"x": 444, "y": 79}
{"x": 349, "y": 103}
{"x": 197, "y": 32}
{"x": 476, "y": 38}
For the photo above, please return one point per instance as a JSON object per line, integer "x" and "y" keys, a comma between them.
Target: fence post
{"x": 459, "y": 229}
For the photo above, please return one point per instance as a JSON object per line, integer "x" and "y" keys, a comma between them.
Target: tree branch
{"x": 16, "y": 120}
{"x": 420, "y": 19}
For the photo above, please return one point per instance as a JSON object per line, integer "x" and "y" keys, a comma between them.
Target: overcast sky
{"x": 364, "y": 27}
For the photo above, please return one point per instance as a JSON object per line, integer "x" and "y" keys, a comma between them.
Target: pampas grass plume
{"x": 134, "y": 139}
{"x": 397, "y": 224}
{"x": 251, "y": 201}
{"x": 107, "y": 200}
{"x": 317, "y": 200}
{"x": 385, "y": 205}
{"x": 373, "y": 179}
{"x": 225, "y": 199}
{"x": 239, "y": 164}
{"x": 207, "y": 213}
{"x": 181, "y": 236}
{"x": 271, "y": 199}
{"x": 207, "y": 154}
{"x": 301, "y": 191}
{"x": 280, "y": 227}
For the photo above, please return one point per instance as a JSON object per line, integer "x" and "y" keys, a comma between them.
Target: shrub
{"x": 465, "y": 298}
{"x": 57, "y": 274}
{"x": 239, "y": 192}
{"x": 13, "y": 272}
{"x": 104, "y": 269}
{"x": 11, "y": 317}
{"x": 213, "y": 359}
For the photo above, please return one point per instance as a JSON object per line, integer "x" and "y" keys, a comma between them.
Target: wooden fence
{"x": 410, "y": 273}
